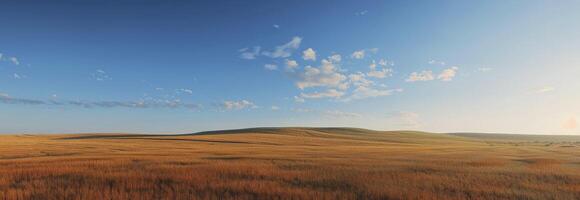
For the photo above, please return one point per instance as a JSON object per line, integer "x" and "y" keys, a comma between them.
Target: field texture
{"x": 289, "y": 163}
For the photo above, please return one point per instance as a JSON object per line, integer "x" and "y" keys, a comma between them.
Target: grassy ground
{"x": 288, "y": 163}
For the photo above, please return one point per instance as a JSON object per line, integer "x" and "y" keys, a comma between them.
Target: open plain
{"x": 289, "y": 163}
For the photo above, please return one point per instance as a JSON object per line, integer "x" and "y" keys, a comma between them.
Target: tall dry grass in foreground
{"x": 286, "y": 164}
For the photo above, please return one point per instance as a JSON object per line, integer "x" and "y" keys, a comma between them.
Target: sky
{"x": 185, "y": 66}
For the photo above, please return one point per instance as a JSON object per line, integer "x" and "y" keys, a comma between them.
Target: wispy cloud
{"x": 424, "y": 75}
{"x": 236, "y": 105}
{"x": 101, "y": 75}
{"x": 276, "y": 26}
{"x": 448, "y": 74}
{"x": 6, "y": 99}
{"x": 544, "y": 89}
{"x": 18, "y": 76}
{"x": 427, "y": 75}
{"x": 363, "y": 92}
{"x": 341, "y": 114}
{"x": 270, "y": 66}
{"x": 249, "y": 54}
{"x": 331, "y": 93}
{"x": 361, "y": 13}
{"x": 436, "y": 62}
{"x": 184, "y": 91}
{"x": 285, "y": 50}
{"x": 14, "y": 60}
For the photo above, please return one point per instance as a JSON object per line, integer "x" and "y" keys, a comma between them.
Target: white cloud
{"x": 421, "y": 76}
{"x": 361, "y": 13}
{"x": 285, "y": 50}
{"x": 186, "y": 91}
{"x": 1, "y": 56}
{"x": 175, "y": 104}
{"x": 360, "y": 54}
{"x": 271, "y": 66}
{"x": 101, "y": 75}
{"x": 335, "y": 58}
{"x": 309, "y": 54}
{"x": 18, "y": 76}
{"x": 385, "y": 63}
{"x": 298, "y": 99}
{"x": 448, "y": 74}
{"x": 14, "y": 60}
{"x": 237, "y": 105}
{"x": 326, "y": 76}
{"x": 436, "y": 62}
{"x": 302, "y": 110}
{"x": 275, "y": 108}
{"x": 427, "y": 75}
{"x": 359, "y": 79}
{"x": 381, "y": 73}
{"x": 544, "y": 89}
{"x": 276, "y": 26}
{"x": 331, "y": 93}
{"x": 250, "y": 55}
{"x": 362, "y": 92}
{"x": 341, "y": 114}
{"x": 291, "y": 65}
{"x": 570, "y": 124}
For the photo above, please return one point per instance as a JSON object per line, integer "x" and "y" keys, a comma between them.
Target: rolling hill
{"x": 288, "y": 163}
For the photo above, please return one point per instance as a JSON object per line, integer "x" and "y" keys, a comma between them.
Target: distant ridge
{"x": 519, "y": 137}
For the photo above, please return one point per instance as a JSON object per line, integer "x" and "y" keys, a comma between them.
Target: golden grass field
{"x": 288, "y": 163}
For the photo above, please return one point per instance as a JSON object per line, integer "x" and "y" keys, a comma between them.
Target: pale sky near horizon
{"x": 186, "y": 66}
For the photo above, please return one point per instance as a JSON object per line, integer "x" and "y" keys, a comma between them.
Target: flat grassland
{"x": 288, "y": 163}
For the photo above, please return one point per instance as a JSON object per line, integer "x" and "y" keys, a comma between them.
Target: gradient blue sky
{"x": 185, "y": 66}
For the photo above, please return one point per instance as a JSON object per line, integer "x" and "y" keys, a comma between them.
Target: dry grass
{"x": 291, "y": 163}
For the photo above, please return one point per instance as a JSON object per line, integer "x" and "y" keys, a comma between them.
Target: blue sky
{"x": 185, "y": 66}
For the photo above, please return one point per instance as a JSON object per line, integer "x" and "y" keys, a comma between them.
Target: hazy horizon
{"x": 180, "y": 67}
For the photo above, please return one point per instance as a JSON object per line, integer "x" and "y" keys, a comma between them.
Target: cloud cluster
{"x": 421, "y": 76}
{"x": 328, "y": 79}
{"x": 325, "y": 75}
{"x": 336, "y": 82}
{"x": 382, "y": 71}
{"x": 427, "y": 75}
